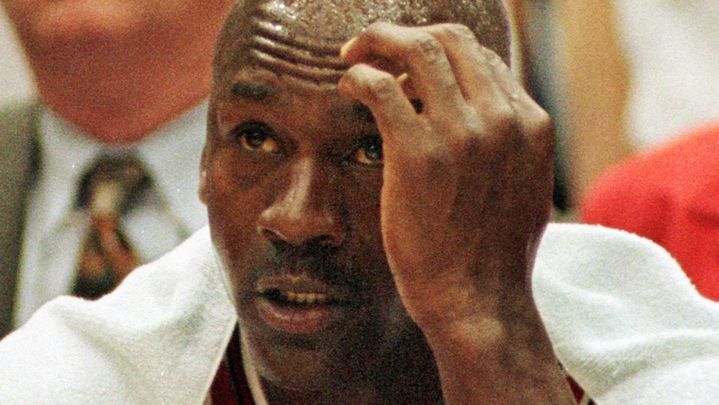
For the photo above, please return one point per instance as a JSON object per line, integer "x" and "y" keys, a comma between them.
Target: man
{"x": 342, "y": 231}
{"x": 372, "y": 232}
{"x": 307, "y": 178}
{"x": 115, "y": 78}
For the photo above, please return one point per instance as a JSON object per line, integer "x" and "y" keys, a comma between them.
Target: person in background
{"x": 668, "y": 194}
{"x": 99, "y": 174}
{"x": 636, "y": 74}
{"x": 593, "y": 87}
{"x": 667, "y": 191}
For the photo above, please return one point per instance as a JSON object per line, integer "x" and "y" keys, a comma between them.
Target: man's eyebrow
{"x": 251, "y": 91}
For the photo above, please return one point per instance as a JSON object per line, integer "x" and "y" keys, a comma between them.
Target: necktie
{"x": 106, "y": 193}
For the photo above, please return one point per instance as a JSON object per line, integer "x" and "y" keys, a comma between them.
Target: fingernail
{"x": 345, "y": 48}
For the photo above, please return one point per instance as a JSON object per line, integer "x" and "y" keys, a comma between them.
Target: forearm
{"x": 493, "y": 348}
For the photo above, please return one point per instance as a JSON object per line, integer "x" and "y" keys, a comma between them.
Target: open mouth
{"x": 298, "y": 304}
{"x": 284, "y": 297}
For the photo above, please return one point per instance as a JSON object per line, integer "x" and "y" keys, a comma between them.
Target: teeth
{"x": 304, "y": 298}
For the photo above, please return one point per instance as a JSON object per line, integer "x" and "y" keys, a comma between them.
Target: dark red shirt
{"x": 224, "y": 392}
{"x": 231, "y": 388}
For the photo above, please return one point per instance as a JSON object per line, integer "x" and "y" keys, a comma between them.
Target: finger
{"x": 399, "y": 73}
{"x": 517, "y": 95}
{"x": 532, "y": 118}
{"x": 423, "y": 57}
{"x": 394, "y": 114}
{"x": 534, "y": 122}
{"x": 486, "y": 81}
{"x": 471, "y": 66}
{"x": 406, "y": 84}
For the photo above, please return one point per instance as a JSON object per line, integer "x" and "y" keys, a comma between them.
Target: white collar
{"x": 171, "y": 153}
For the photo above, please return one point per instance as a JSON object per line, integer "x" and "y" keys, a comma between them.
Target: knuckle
{"x": 504, "y": 119}
{"x": 468, "y": 146}
{"x": 541, "y": 129}
{"x": 491, "y": 56}
{"x": 543, "y": 118}
{"x": 374, "y": 30}
{"x": 381, "y": 87}
{"x": 536, "y": 121}
{"x": 473, "y": 125}
{"x": 496, "y": 61}
{"x": 426, "y": 47}
{"x": 352, "y": 78}
{"x": 370, "y": 84}
{"x": 353, "y": 73}
{"x": 540, "y": 121}
{"x": 435, "y": 157}
{"x": 469, "y": 137}
{"x": 457, "y": 32}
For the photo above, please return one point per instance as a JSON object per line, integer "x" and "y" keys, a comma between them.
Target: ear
{"x": 204, "y": 187}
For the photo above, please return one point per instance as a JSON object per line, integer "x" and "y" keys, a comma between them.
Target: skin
{"x": 119, "y": 69}
{"x": 432, "y": 240}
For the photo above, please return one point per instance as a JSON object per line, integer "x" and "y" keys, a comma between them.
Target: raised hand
{"x": 465, "y": 198}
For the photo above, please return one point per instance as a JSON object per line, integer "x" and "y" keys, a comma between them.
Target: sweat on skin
{"x": 405, "y": 222}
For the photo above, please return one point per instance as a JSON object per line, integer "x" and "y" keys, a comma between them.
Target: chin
{"x": 293, "y": 368}
{"x": 85, "y": 21}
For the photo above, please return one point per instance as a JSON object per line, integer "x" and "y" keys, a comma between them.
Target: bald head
{"x": 303, "y": 37}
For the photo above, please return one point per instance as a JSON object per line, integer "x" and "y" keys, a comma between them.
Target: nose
{"x": 308, "y": 211}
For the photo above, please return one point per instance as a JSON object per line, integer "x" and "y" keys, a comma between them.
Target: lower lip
{"x": 302, "y": 320}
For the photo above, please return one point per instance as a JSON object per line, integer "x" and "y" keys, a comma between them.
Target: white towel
{"x": 624, "y": 320}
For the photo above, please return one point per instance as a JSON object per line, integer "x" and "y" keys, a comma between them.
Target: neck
{"x": 337, "y": 395}
{"x": 118, "y": 76}
{"x": 407, "y": 375}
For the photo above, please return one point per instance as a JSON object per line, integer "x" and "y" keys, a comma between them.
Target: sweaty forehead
{"x": 333, "y": 20}
{"x": 302, "y": 38}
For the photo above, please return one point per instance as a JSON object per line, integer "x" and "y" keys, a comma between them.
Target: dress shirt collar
{"x": 171, "y": 154}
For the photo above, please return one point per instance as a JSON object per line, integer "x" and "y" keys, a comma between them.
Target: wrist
{"x": 480, "y": 335}
{"x": 491, "y": 330}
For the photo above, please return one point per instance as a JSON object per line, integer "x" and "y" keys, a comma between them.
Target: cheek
{"x": 236, "y": 195}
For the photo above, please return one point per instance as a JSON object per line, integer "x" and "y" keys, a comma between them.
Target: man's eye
{"x": 369, "y": 151}
{"x": 257, "y": 137}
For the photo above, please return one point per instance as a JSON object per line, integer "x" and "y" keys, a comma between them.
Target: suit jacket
{"x": 669, "y": 195}
{"x": 18, "y": 163}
